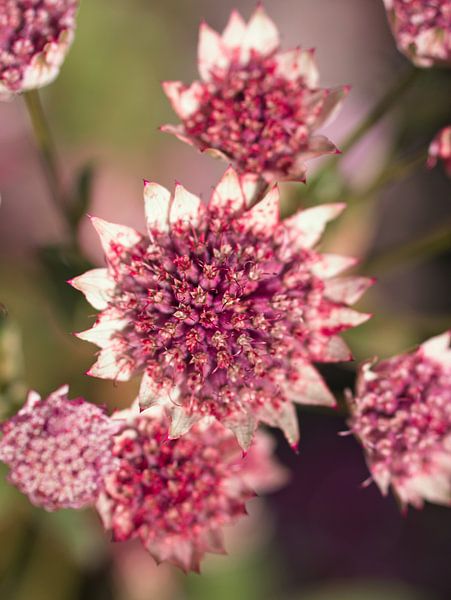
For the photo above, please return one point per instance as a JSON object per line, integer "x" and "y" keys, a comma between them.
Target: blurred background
{"x": 323, "y": 537}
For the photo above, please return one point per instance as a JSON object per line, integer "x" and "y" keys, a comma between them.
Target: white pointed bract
{"x": 224, "y": 318}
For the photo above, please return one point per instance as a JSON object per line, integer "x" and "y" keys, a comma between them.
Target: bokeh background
{"x": 323, "y": 537}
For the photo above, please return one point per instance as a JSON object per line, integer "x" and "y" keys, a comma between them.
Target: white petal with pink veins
{"x": 184, "y": 100}
{"x": 112, "y": 235}
{"x": 318, "y": 145}
{"x": 438, "y": 348}
{"x": 243, "y": 427}
{"x": 264, "y": 216}
{"x": 309, "y": 388}
{"x": 212, "y": 55}
{"x": 106, "y": 326}
{"x": 181, "y": 421}
{"x": 111, "y": 365}
{"x": 179, "y": 132}
{"x": 250, "y": 185}
{"x": 157, "y": 200}
{"x": 233, "y": 34}
{"x": 297, "y": 63}
{"x": 287, "y": 420}
{"x": 331, "y": 105}
{"x": 307, "y": 226}
{"x": 341, "y": 317}
{"x": 261, "y": 35}
{"x": 331, "y": 349}
{"x": 152, "y": 393}
{"x": 347, "y": 290}
{"x": 96, "y": 285}
{"x": 184, "y": 207}
{"x": 228, "y": 192}
{"x": 328, "y": 265}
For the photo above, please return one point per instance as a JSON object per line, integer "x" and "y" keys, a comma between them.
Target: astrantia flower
{"x": 440, "y": 149}
{"x": 221, "y": 307}
{"x": 176, "y": 495}
{"x": 255, "y": 106}
{"x": 59, "y": 450}
{"x": 35, "y": 36}
{"x": 402, "y": 416}
{"x": 422, "y": 29}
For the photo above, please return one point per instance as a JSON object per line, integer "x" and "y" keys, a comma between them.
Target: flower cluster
{"x": 35, "y": 36}
{"x": 440, "y": 149}
{"x": 401, "y": 414}
{"x": 255, "y": 106}
{"x": 223, "y": 308}
{"x": 422, "y": 29}
{"x": 59, "y": 450}
{"x": 176, "y": 495}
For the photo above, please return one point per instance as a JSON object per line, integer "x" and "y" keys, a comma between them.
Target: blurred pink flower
{"x": 177, "y": 495}
{"x": 221, "y": 307}
{"x": 254, "y": 105}
{"x": 58, "y": 450}
{"x": 440, "y": 149}
{"x": 401, "y": 414}
{"x": 422, "y": 29}
{"x": 35, "y": 36}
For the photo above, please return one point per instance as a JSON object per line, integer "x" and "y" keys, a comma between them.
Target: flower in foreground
{"x": 255, "y": 106}
{"x": 440, "y": 149}
{"x": 58, "y": 450}
{"x": 222, "y": 308}
{"x": 35, "y": 36}
{"x": 177, "y": 495}
{"x": 422, "y": 29}
{"x": 401, "y": 414}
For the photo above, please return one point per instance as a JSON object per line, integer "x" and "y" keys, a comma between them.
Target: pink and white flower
{"x": 255, "y": 105}
{"x": 222, "y": 308}
{"x": 422, "y": 29}
{"x": 401, "y": 413}
{"x": 177, "y": 495}
{"x": 59, "y": 450}
{"x": 35, "y": 36}
{"x": 440, "y": 149}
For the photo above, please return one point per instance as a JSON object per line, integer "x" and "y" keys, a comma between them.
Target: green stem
{"x": 47, "y": 151}
{"x": 379, "y": 110}
{"x": 433, "y": 244}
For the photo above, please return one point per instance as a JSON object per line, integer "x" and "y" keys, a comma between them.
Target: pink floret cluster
{"x": 255, "y": 105}
{"x": 34, "y": 38}
{"x": 58, "y": 450}
{"x": 422, "y": 29}
{"x": 177, "y": 495}
{"x": 401, "y": 413}
{"x": 223, "y": 308}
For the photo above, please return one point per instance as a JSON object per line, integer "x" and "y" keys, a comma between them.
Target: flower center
{"x": 253, "y": 115}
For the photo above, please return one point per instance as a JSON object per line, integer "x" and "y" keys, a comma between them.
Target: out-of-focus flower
{"x": 440, "y": 149}
{"x": 255, "y": 106}
{"x": 35, "y": 36}
{"x": 176, "y": 495}
{"x": 59, "y": 450}
{"x": 221, "y": 307}
{"x": 401, "y": 414}
{"x": 422, "y": 29}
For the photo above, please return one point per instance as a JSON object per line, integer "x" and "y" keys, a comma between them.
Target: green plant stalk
{"x": 384, "y": 105}
{"x": 47, "y": 151}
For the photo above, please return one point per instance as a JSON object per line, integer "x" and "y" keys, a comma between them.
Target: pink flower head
{"x": 401, "y": 414}
{"x": 58, "y": 450}
{"x": 440, "y": 149}
{"x": 255, "y": 105}
{"x": 35, "y": 36}
{"x": 422, "y": 29}
{"x": 221, "y": 307}
{"x": 176, "y": 495}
